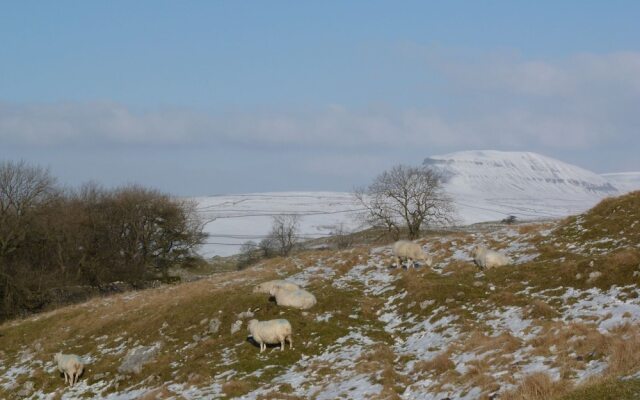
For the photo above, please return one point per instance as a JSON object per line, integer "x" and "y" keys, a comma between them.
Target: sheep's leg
{"x": 290, "y": 342}
{"x": 282, "y": 341}
{"x": 66, "y": 379}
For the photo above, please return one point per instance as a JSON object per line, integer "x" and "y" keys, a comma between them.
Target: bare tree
{"x": 284, "y": 232}
{"x": 24, "y": 191}
{"x": 407, "y": 196}
{"x": 55, "y": 239}
{"x": 249, "y": 253}
{"x": 341, "y": 236}
{"x": 378, "y": 214}
{"x": 267, "y": 247}
{"x": 22, "y": 187}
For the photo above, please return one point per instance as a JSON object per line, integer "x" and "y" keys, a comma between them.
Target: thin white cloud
{"x": 43, "y": 124}
{"x": 572, "y": 103}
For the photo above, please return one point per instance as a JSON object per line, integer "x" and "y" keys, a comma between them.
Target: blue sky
{"x": 221, "y": 97}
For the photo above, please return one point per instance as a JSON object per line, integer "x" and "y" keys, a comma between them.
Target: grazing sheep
{"x": 271, "y": 332}
{"x": 293, "y": 298}
{"x": 70, "y": 365}
{"x": 404, "y": 249}
{"x": 485, "y": 258}
{"x": 265, "y": 287}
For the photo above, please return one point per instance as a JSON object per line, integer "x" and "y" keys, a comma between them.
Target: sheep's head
{"x": 275, "y": 289}
{"x": 475, "y": 251}
{"x": 57, "y": 356}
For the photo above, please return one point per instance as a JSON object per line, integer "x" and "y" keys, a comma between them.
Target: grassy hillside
{"x": 561, "y": 322}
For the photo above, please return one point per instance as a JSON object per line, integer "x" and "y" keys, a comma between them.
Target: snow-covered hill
{"x": 624, "y": 181}
{"x": 485, "y": 185}
{"x": 562, "y": 319}
{"x": 489, "y": 185}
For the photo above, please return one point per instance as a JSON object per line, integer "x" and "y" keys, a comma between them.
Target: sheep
{"x": 293, "y": 298}
{"x": 271, "y": 332}
{"x": 265, "y": 287}
{"x": 485, "y": 258}
{"x": 411, "y": 251}
{"x": 70, "y": 365}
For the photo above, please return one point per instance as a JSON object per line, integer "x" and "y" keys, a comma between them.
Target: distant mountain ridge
{"x": 489, "y": 184}
{"x": 516, "y": 172}
{"x": 624, "y": 181}
{"x": 486, "y": 185}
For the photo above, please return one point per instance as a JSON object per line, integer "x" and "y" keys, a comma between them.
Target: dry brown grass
{"x": 350, "y": 258}
{"x": 505, "y": 298}
{"x": 438, "y": 246}
{"x": 537, "y": 386}
{"x": 479, "y": 375}
{"x": 538, "y": 309}
{"x": 624, "y": 352}
{"x": 279, "y": 396}
{"x": 379, "y": 362}
{"x": 158, "y": 394}
{"x": 624, "y": 257}
{"x": 528, "y": 228}
{"x": 480, "y": 342}
{"x": 370, "y": 306}
{"x": 439, "y": 364}
{"x": 460, "y": 267}
{"x": 236, "y": 388}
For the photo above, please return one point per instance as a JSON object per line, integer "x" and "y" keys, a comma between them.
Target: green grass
{"x": 610, "y": 389}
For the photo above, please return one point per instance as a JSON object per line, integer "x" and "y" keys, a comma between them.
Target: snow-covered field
{"x": 485, "y": 186}
{"x": 236, "y": 219}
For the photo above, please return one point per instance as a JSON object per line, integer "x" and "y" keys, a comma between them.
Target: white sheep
{"x": 70, "y": 365}
{"x": 265, "y": 287}
{"x": 485, "y": 258}
{"x": 404, "y": 249}
{"x": 271, "y": 332}
{"x": 293, "y": 298}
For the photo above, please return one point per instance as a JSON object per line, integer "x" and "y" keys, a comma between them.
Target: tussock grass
{"x": 540, "y": 310}
{"x": 605, "y": 389}
{"x": 439, "y": 364}
{"x": 537, "y": 386}
{"x": 236, "y": 388}
{"x": 380, "y": 362}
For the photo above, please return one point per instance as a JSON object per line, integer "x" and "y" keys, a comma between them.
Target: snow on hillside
{"x": 489, "y": 185}
{"x": 562, "y": 314}
{"x": 236, "y": 219}
{"x": 624, "y": 181}
{"x": 485, "y": 186}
